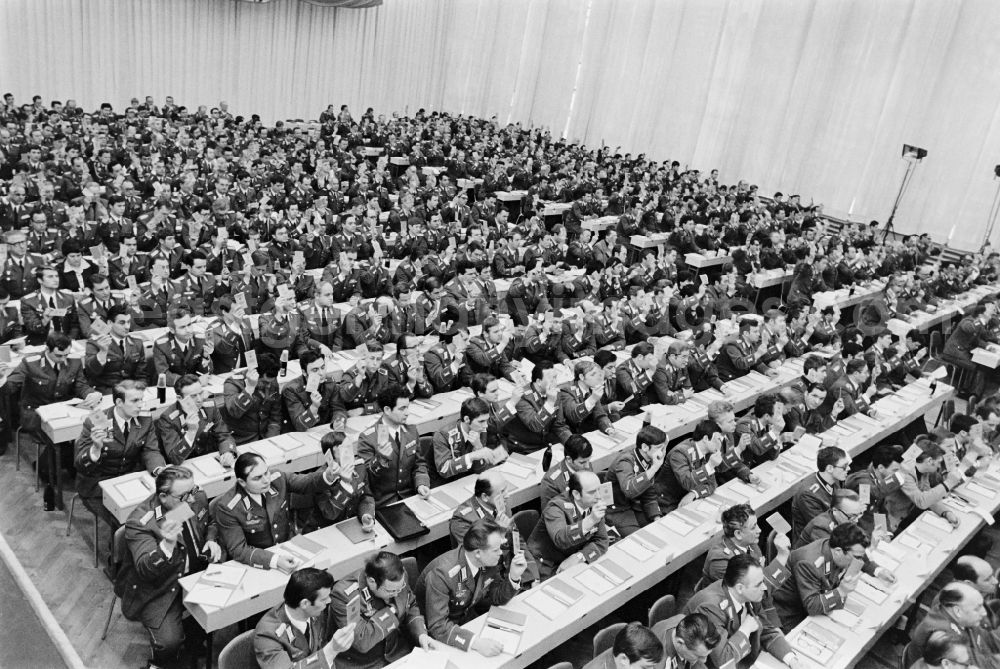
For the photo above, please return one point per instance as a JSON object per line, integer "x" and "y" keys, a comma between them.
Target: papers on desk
{"x": 210, "y": 596}
{"x": 872, "y": 589}
{"x": 208, "y": 467}
{"x": 816, "y": 642}
{"x": 216, "y": 585}
{"x": 543, "y": 602}
{"x": 135, "y": 488}
{"x": 304, "y": 550}
{"x": 601, "y": 440}
{"x": 521, "y": 466}
{"x": 506, "y": 627}
{"x": 267, "y": 450}
{"x": 676, "y": 524}
{"x": 979, "y": 490}
{"x": 593, "y": 581}
{"x": 425, "y": 659}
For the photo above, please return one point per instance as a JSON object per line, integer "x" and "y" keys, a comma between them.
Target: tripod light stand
{"x": 912, "y": 155}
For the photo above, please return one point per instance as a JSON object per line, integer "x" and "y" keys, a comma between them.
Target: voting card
{"x": 298, "y": 258}
{"x": 353, "y": 613}
{"x": 180, "y": 513}
{"x": 131, "y": 283}
{"x": 607, "y": 494}
{"x": 251, "y": 357}
{"x": 853, "y": 569}
{"x": 189, "y": 405}
{"x": 99, "y": 327}
{"x": 865, "y": 493}
{"x": 58, "y": 312}
{"x": 345, "y": 456}
{"x": 312, "y": 383}
{"x": 881, "y": 523}
{"x": 97, "y": 252}
{"x": 240, "y": 300}
{"x": 778, "y": 523}
{"x": 285, "y": 292}
{"x": 515, "y": 541}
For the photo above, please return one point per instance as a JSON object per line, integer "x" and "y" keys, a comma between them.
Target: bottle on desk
{"x": 161, "y": 389}
{"x": 284, "y": 363}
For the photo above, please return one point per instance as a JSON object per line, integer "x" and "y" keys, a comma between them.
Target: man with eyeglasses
{"x": 161, "y": 550}
{"x": 847, "y": 508}
{"x": 733, "y": 605}
{"x": 390, "y": 623}
{"x": 946, "y": 650}
{"x": 958, "y": 610}
{"x": 820, "y": 582}
{"x": 815, "y": 495}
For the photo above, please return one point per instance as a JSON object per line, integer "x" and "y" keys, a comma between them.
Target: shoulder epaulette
{"x": 233, "y": 502}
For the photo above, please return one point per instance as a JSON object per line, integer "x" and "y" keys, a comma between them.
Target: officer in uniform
{"x": 231, "y": 338}
{"x": 299, "y": 633}
{"x": 635, "y": 378}
{"x": 311, "y": 399}
{"x": 115, "y": 444}
{"x": 397, "y": 466}
{"x": 359, "y": 388}
{"x": 542, "y": 340}
{"x": 733, "y": 605}
{"x": 37, "y": 309}
{"x": 671, "y": 380}
{"x": 846, "y": 508}
{"x": 577, "y": 452}
{"x": 252, "y": 402}
{"x": 692, "y": 466}
{"x": 818, "y": 584}
{"x": 882, "y": 477}
{"x": 375, "y": 322}
{"x": 279, "y": 328}
{"x": 527, "y": 296}
{"x": 390, "y": 623}
{"x": 571, "y": 529}
{"x": 197, "y": 288}
{"x": 319, "y": 322}
{"x": 253, "y": 515}
{"x": 98, "y": 304}
{"x": 539, "y": 419}
{"x": 815, "y": 495}
{"x": 193, "y": 427}
{"x": 159, "y": 553}
{"x": 180, "y": 351}
{"x": 462, "y": 448}
{"x": 581, "y": 403}
{"x": 10, "y": 318}
{"x": 578, "y": 339}
{"x": 631, "y": 475}
{"x": 457, "y": 586}
{"x": 45, "y": 378}
{"x": 116, "y": 355}
{"x": 491, "y": 353}
{"x": 740, "y": 536}
{"x": 743, "y": 355}
{"x": 19, "y": 277}
{"x": 405, "y": 367}
{"x": 444, "y": 363}
{"x": 351, "y": 495}
{"x": 158, "y": 295}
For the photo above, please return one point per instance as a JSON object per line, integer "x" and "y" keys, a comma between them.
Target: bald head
{"x": 492, "y": 481}
{"x": 977, "y": 572}
{"x": 963, "y": 603}
{"x": 583, "y": 487}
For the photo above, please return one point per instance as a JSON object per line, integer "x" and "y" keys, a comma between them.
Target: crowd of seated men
{"x": 161, "y": 216}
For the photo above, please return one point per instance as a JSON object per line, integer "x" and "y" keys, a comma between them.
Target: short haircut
{"x": 885, "y": 454}
{"x": 116, "y": 310}
{"x": 165, "y": 479}
{"x": 735, "y": 518}
{"x": 308, "y": 357}
{"x": 473, "y": 408}
{"x": 268, "y": 365}
{"x": 582, "y": 368}
{"x": 961, "y": 422}
{"x": 390, "y": 395}
{"x": 764, "y": 405}
{"x": 637, "y": 642}
{"x": 306, "y": 583}
{"x": 964, "y": 571}
{"x": 719, "y": 407}
{"x": 738, "y": 567}
{"x": 185, "y": 380}
{"x": 482, "y": 486}
{"x": 642, "y": 348}
{"x": 841, "y": 494}
{"x": 940, "y": 646}
{"x": 577, "y": 446}
{"x": 57, "y": 341}
{"x": 245, "y": 463}
{"x": 478, "y": 536}
{"x": 480, "y": 382}
{"x": 829, "y": 456}
{"x": 847, "y": 535}
{"x": 706, "y": 428}
{"x": 695, "y": 629}
{"x": 812, "y": 362}
{"x": 603, "y": 358}
{"x": 125, "y": 386}
{"x": 538, "y": 371}
{"x": 180, "y": 311}
{"x": 951, "y": 594}
{"x": 384, "y": 566}
{"x": 650, "y": 434}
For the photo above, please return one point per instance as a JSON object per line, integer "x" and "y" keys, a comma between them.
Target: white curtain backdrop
{"x": 807, "y": 96}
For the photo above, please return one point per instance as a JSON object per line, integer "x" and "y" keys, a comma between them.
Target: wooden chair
{"x": 663, "y": 608}
{"x": 412, "y": 570}
{"x": 945, "y": 414}
{"x": 660, "y": 628}
{"x": 238, "y": 653}
{"x": 606, "y": 637}
{"x": 911, "y": 654}
{"x": 118, "y": 548}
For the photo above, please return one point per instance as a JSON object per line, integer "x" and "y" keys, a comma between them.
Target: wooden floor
{"x": 79, "y": 595}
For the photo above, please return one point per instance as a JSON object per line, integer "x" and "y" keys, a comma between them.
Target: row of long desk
{"x": 341, "y": 556}
{"x": 917, "y": 556}
{"x": 656, "y": 551}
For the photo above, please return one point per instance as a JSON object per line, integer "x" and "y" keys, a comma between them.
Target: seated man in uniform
{"x": 632, "y": 474}
{"x": 577, "y": 452}
{"x": 635, "y": 647}
{"x": 571, "y": 529}
{"x": 300, "y": 632}
{"x": 462, "y": 448}
{"x": 454, "y": 586}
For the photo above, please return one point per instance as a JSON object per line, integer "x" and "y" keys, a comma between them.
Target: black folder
{"x": 400, "y": 521}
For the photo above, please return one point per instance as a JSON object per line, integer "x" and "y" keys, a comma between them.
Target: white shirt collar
{"x": 120, "y": 420}
{"x": 300, "y": 625}
{"x": 472, "y": 568}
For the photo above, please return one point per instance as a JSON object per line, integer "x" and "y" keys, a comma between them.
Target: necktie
{"x": 324, "y": 321}
{"x": 125, "y": 431}
{"x": 190, "y": 546}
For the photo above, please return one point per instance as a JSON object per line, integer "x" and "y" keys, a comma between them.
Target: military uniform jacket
{"x": 19, "y": 275}
{"x": 724, "y": 548}
{"x": 171, "y": 359}
{"x": 452, "y": 594}
{"x": 251, "y": 417}
{"x": 88, "y": 309}
{"x": 386, "y": 631}
{"x": 10, "y": 324}
{"x": 967, "y": 336}
{"x": 279, "y": 334}
{"x": 702, "y": 372}
{"x": 199, "y": 294}
{"x": 365, "y": 396}
{"x": 125, "y": 361}
{"x": 33, "y": 306}
{"x": 632, "y": 485}
{"x": 230, "y": 347}
{"x": 579, "y": 418}
{"x": 399, "y": 373}
{"x": 535, "y": 348}
{"x": 820, "y": 527}
{"x": 812, "y": 590}
{"x": 763, "y": 444}
{"x": 576, "y": 343}
{"x": 348, "y": 496}
{"x": 147, "y": 580}
{"x": 398, "y": 476}
{"x": 718, "y": 606}
{"x": 278, "y": 644}
{"x": 685, "y": 470}
{"x": 312, "y": 330}
{"x": 636, "y": 383}
{"x": 439, "y": 366}
{"x": 556, "y": 482}
{"x": 608, "y": 333}
{"x": 482, "y": 356}
{"x": 559, "y": 533}
{"x": 982, "y": 644}
{"x": 453, "y": 453}
{"x": 155, "y": 303}
{"x": 118, "y": 455}
{"x": 813, "y": 497}
{"x": 39, "y": 383}
{"x": 669, "y": 382}
{"x": 212, "y": 436}
{"x": 736, "y": 359}
{"x": 535, "y": 424}
{"x": 247, "y": 529}
{"x": 298, "y": 404}
{"x": 360, "y": 327}
{"x": 879, "y": 491}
